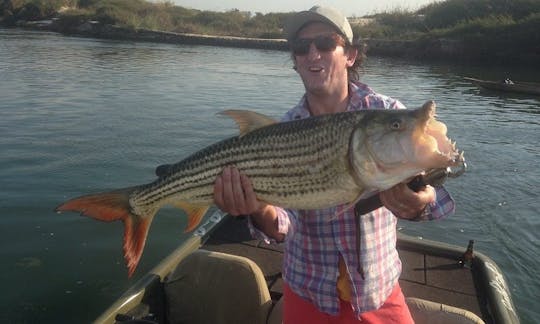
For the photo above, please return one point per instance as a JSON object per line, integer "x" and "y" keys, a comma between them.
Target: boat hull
{"x": 515, "y": 87}
{"x": 431, "y": 271}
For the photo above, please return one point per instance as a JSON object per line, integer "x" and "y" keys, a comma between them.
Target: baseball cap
{"x": 327, "y": 15}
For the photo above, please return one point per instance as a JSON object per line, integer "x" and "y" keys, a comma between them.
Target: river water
{"x": 81, "y": 115}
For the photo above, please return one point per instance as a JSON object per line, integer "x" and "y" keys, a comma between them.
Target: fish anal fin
{"x": 195, "y": 213}
{"x": 135, "y": 233}
{"x": 248, "y": 121}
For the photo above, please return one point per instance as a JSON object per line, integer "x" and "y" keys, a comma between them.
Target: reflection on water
{"x": 81, "y": 115}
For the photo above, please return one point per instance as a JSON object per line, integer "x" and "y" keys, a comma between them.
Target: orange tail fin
{"x": 112, "y": 206}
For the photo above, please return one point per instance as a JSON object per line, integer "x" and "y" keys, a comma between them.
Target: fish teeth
{"x": 458, "y": 157}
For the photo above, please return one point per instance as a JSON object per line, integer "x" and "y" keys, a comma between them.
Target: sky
{"x": 350, "y": 8}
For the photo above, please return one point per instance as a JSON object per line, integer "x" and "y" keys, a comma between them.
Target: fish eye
{"x": 395, "y": 124}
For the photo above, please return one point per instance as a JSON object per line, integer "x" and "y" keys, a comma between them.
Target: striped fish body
{"x": 312, "y": 163}
{"x": 302, "y": 164}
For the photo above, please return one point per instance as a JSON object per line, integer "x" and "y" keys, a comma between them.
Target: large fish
{"x": 311, "y": 163}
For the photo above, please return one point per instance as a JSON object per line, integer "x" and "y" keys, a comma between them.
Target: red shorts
{"x": 297, "y": 310}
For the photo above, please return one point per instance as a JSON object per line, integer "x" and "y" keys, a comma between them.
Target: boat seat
{"x": 422, "y": 311}
{"x": 212, "y": 287}
{"x": 425, "y": 311}
{"x": 276, "y": 314}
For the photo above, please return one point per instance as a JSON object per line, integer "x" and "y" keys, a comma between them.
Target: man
{"x": 322, "y": 283}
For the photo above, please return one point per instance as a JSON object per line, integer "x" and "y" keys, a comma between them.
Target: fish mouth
{"x": 421, "y": 145}
{"x": 433, "y": 149}
{"x": 402, "y": 144}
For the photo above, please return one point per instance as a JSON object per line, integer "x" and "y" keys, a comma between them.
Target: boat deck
{"x": 424, "y": 275}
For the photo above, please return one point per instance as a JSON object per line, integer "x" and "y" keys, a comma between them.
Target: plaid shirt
{"x": 315, "y": 239}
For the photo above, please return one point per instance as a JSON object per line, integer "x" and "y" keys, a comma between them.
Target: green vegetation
{"x": 451, "y": 18}
{"x": 30, "y": 10}
{"x": 163, "y": 16}
{"x": 451, "y": 13}
{"x": 502, "y": 31}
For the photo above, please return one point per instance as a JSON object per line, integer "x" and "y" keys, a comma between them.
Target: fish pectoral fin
{"x": 248, "y": 121}
{"x": 195, "y": 213}
{"x": 361, "y": 195}
{"x": 365, "y": 194}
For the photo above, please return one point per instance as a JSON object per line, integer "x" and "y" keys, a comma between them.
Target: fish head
{"x": 391, "y": 146}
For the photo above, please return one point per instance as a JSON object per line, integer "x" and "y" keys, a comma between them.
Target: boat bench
{"x": 219, "y": 288}
{"x": 425, "y": 311}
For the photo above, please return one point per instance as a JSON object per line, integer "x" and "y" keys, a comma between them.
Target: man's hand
{"x": 233, "y": 193}
{"x": 404, "y": 202}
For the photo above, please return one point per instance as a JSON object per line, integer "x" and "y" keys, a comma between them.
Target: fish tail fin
{"x": 112, "y": 206}
{"x": 195, "y": 213}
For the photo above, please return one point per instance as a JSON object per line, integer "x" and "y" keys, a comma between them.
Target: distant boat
{"x": 508, "y": 86}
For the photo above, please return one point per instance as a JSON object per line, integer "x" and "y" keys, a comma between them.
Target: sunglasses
{"x": 328, "y": 43}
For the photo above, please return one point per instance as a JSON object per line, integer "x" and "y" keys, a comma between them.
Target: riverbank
{"x": 98, "y": 30}
{"x": 457, "y": 51}
{"x": 475, "y": 32}
{"x": 462, "y": 51}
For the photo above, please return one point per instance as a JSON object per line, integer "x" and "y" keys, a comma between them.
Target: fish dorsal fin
{"x": 163, "y": 170}
{"x": 247, "y": 120}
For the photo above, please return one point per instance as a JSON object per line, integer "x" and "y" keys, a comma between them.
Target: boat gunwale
{"x": 135, "y": 295}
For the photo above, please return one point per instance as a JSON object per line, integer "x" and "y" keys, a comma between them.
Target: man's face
{"x": 323, "y": 70}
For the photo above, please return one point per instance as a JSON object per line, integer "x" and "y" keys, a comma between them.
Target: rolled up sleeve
{"x": 442, "y": 207}
{"x": 283, "y": 226}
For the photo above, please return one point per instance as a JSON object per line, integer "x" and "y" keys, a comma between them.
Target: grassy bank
{"x": 164, "y": 16}
{"x": 495, "y": 31}
{"x": 475, "y": 29}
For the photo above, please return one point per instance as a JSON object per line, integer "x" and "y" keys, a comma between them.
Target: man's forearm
{"x": 266, "y": 220}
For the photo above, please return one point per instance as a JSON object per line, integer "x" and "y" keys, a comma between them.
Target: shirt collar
{"x": 357, "y": 92}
